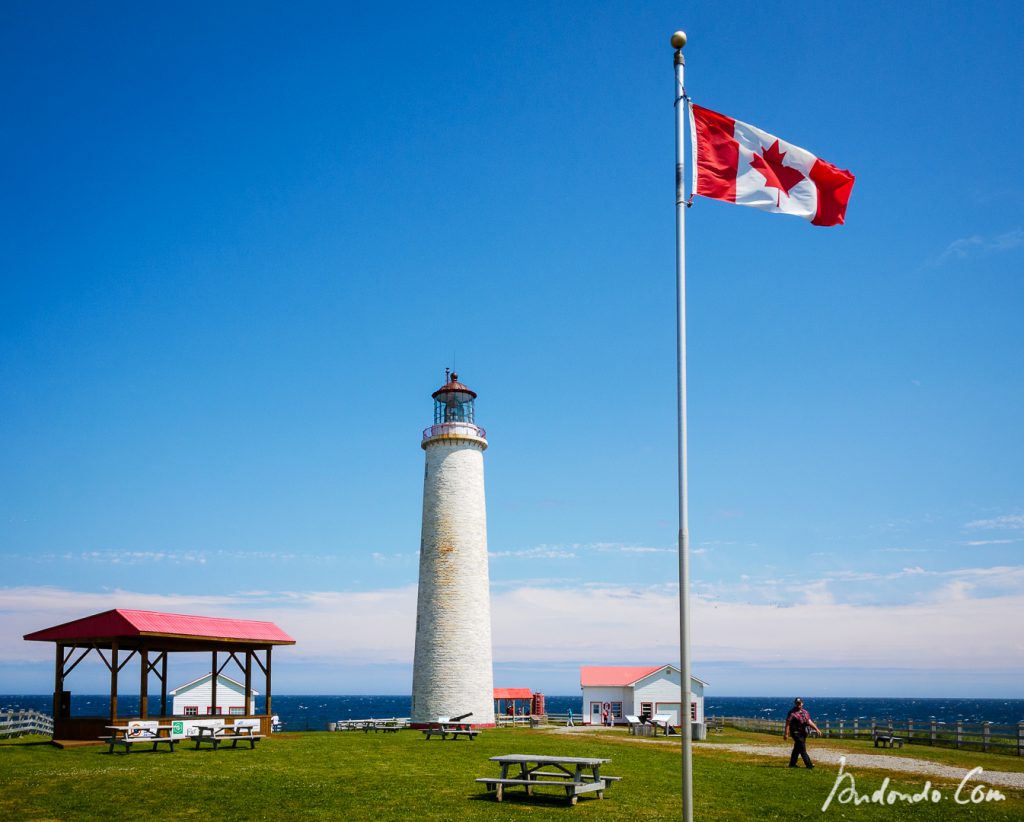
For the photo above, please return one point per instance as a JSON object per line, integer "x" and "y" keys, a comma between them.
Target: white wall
{"x": 602, "y": 694}
{"x": 228, "y": 696}
{"x": 662, "y": 687}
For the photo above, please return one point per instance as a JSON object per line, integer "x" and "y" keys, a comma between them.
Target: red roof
{"x": 123, "y": 623}
{"x": 513, "y": 693}
{"x": 453, "y": 384}
{"x": 615, "y": 675}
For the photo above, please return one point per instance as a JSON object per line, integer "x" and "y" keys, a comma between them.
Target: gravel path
{"x": 886, "y": 763}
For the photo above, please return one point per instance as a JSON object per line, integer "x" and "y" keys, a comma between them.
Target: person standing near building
{"x": 798, "y": 721}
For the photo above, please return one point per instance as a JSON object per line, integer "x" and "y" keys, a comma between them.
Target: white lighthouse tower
{"x": 452, "y": 673}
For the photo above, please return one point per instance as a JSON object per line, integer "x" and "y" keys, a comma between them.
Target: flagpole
{"x": 678, "y": 41}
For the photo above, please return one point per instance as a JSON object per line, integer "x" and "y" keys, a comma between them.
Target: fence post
{"x": 840, "y": 729}
{"x": 986, "y": 732}
{"x": 931, "y": 736}
{"x": 856, "y": 730}
{"x": 1020, "y": 739}
{"x": 874, "y": 729}
{"x": 828, "y": 728}
{"x": 959, "y": 732}
{"x": 910, "y": 730}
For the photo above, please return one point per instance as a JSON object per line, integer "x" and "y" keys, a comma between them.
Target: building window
{"x": 191, "y": 710}
{"x": 211, "y": 711}
{"x": 693, "y": 711}
{"x": 617, "y": 710}
{"x": 646, "y": 710}
{"x": 236, "y": 710}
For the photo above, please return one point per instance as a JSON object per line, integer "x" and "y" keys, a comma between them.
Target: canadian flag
{"x": 739, "y": 163}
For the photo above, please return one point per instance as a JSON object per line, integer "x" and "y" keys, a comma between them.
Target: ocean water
{"x": 312, "y": 712}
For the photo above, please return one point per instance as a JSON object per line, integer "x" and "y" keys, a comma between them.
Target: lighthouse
{"x": 452, "y": 674}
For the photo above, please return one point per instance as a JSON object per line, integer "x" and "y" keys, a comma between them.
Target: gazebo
{"x": 152, "y": 636}
{"x": 512, "y": 702}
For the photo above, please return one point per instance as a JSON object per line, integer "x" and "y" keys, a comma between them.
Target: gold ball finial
{"x": 679, "y": 39}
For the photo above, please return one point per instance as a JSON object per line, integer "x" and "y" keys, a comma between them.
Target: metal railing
{"x": 466, "y": 429}
{"x": 977, "y": 736}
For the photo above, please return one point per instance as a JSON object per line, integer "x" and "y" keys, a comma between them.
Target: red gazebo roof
{"x": 513, "y": 693}
{"x": 126, "y": 624}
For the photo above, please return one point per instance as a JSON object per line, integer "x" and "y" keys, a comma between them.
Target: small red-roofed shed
{"x": 120, "y": 635}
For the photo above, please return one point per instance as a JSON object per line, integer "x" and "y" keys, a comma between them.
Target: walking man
{"x": 798, "y": 721}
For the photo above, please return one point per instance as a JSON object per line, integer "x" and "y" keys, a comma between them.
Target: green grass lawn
{"x": 356, "y": 776}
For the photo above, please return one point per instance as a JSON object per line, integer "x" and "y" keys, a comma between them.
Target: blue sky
{"x": 240, "y": 245}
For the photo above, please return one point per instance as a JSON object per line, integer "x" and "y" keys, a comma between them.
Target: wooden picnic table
{"x": 575, "y": 774}
{"x": 445, "y": 730}
{"x": 218, "y": 734}
{"x": 129, "y": 735}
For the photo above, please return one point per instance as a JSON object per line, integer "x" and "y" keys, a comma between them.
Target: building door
{"x": 595, "y": 713}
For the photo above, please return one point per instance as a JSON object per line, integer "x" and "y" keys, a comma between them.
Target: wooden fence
{"x": 973, "y": 736}
{"x": 18, "y": 723}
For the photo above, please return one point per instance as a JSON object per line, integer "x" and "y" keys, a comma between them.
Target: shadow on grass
{"x": 539, "y": 800}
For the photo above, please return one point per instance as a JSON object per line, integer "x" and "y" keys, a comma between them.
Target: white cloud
{"x": 185, "y": 557}
{"x": 1012, "y": 521}
{"x": 574, "y": 550}
{"x": 978, "y": 245}
{"x": 950, "y": 628}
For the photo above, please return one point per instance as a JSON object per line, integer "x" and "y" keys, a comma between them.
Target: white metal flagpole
{"x": 685, "y": 729}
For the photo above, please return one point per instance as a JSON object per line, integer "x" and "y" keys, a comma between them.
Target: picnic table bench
{"x": 447, "y": 726}
{"x": 887, "y": 740}
{"x": 217, "y": 735}
{"x": 576, "y": 775}
{"x": 129, "y": 735}
{"x": 386, "y": 725}
{"x": 454, "y": 731}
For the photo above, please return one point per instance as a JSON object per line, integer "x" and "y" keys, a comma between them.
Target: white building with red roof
{"x": 637, "y": 690}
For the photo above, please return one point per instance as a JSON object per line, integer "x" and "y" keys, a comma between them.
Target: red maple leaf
{"x": 769, "y": 164}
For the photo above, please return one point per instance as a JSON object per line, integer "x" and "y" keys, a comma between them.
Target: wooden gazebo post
{"x": 144, "y": 685}
{"x": 58, "y": 681}
{"x": 213, "y": 684}
{"x": 113, "y": 683}
{"x": 248, "y": 683}
{"x": 163, "y": 684}
{"x": 270, "y": 710}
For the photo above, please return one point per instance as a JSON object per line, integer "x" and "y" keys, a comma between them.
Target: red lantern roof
{"x": 453, "y": 385}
